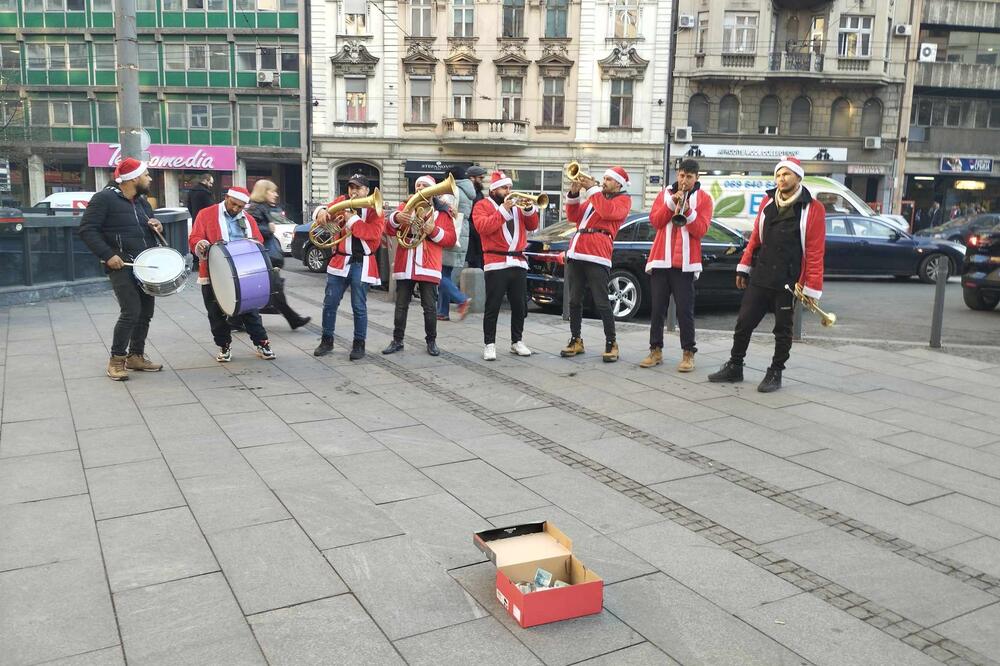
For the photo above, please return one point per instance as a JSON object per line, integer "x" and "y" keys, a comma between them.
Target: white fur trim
{"x": 132, "y": 174}
{"x": 596, "y": 189}
{"x": 239, "y": 196}
{"x": 812, "y": 293}
{"x": 592, "y": 258}
{"x": 501, "y": 183}
{"x": 426, "y": 180}
{"x": 791, "y": 166}
{"x": 439, "y": 236}
{"x": 614, "y": 175}
{"x": 742, "y": 268}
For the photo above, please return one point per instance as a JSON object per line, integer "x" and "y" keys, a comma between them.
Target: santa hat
{"x": 239, "y": 193}
{"x": 619, "y": 174}
{"x": 128, "y": 169}
{"x": 792, "y": 164}
{"x": 426, "y": 180}
{"x": 500, "y": 179}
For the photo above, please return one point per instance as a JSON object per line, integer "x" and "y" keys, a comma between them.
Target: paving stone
{"x": 483, "y": 489}
{"x": 403, "y": 589}
{"x": 53, "y": 530}
{"x": 636, "y": 461}
{"x": 111, "y": 656}
{"x": 977, "y": 630}
{"x": 113, "y": 446}
{"x": 302, "y": 635}
{"x": 978, "y": 460}
{"x": 442, "y": 526}
{"x": 301, "y": 407}
{"x": 255, "y": 429}
{"x": 366, "y": 410}
{"x": 643, "y": 654}
{"x": 43, "y": 476}
{"x": 499, "y": 397}
{"x": 177, "y": 424}
{"x": 675, "y": 431}
{"x": 291, "y": 464}
{"x": 98, "y": 403}
{"x": 765, "y": 439}
{"x": 55, "y": 610}
{"x": 336, "y": 437}
{"x": 337, "y": 514}
{"x": 885, "y": 482}
{"x": 982, "y": 553}
{"x": 214, "y": 376}
{"x": 153, "y": 548}
{"x": 935, "y": 427}
{"x": 557, "y": 425}
{"x": 20, "y": 401}
{"x": 229, "y": 400}
{"x": 843, "y": 421}
{"x": 455, "y": 424}
{"x": 384, "y": 477}
{"x": 121, "y": 490}
{"x": 190, "y": 621}
{"x": 210, "y": 455}
{"x": 420, "y": 446}
{"x": 227, "y": 501}
{"x": 823, "y": 634}
{"x": 962, "y": 480}
{"x": 869, "y": 451}
{"x": 972, "y": 513}
{"x": 512, "y": 456}
{"x": 689, "y": 628}
{"x": 25, "y": 438}
{"x": 766, "y": 417}
{"x": 163, "y": 394}
{"x": 483, "y": 642}
{"x": 769, "y": 468}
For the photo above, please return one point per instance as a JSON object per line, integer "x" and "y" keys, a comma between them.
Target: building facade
{"x": 221, "y": 82}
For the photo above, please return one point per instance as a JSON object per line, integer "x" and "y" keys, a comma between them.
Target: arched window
{"x": 840, "y": 118}
{"x": 729, "y": 115}
{"x": 801, "y": 116}
{"x": 871, "y": 118}
{"x": 770, "y": 111}
{"x": 698, "y": 113}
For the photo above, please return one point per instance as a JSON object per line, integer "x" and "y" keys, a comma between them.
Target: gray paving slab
{"x": 453, "y": 423}
{"x": 136, "y": 487}
{"x": 871, "y": 451}
{"x": 300, "y": 408}
{"x": 98, "y": 403}
{"x": 637, "y": 461}
{"x": 934, "y": 426}
{"x": 229, "y": 400}
{"x": 20, "y": 402}
{"x": 337, "y": 514}
{"x": 227, "y": 501}
{"x": 852, "y": 403}
{"x": 558, "y": 425}
{"x": 442, "y": 526}
{"x": 55, "y": 610}
{"x": 25, "y": 438}
{"x": 384, "y": 477}
{"x": 420, "y": 446}
{"x": 967, "y": 482}
{"x": 366, "y": 410}
{"x": 511, "y": 456}
{"x": 483, "y": 489}
{"x": 976, "y": 459}
{"x": 558, "y": 643}
{"x": 880, "y": 480}
{"x": 680, "y": 408}
{"x": 772, "y": 469}
{"x": 152, "y": 548}
{"x": 939, "y": 410}
{"x": 776, "y": 419}
{"x": 336, "y": 437}
{"x": 405, "y": 591}
{"x": 688, "y": 628}
{"x": 190, "y": 621}
{"x": 977, "y": 630}
{"x": 112, "y": 446}
{"x": 968, "y": 511}
{"x": 273, "y": 565}
{"x": 303, "y": 635}
{"x": 42, "y": 476}
{"x": 901, "y": 585}
{"x": 291, "y": 464}
{"x": 175, "y": 424}
{"x": 161, "y": 394}
{"x": 825, "y": 635}
{"x": 765, "y": 439}
{"x": 843, "y": 421}
{"x": 255, "y": 429}
{"x": 982, "y": 553}
{"x": 483, "y": 642}
{"x": 111, "y": 656}
{"x": 675, "y": 431}
{"x": 496, "y": 396}
{"x": 643, "y": 654}
{"x": 216, "y": 375}
{"x": 53, "y": 530}
{"x": 209, "y": 455}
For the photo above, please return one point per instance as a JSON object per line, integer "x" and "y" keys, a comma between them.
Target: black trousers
{"x": 219, "y": 322}
{"x": 136, "y": 313}
{"x": 586, "y": 275}
{"x": 758, "y": 301}
{"x": 281, "y": 306}
{"x": 428, "y": 301}
{"x": 513, "y": 283}
{"x": 664, "y": 283}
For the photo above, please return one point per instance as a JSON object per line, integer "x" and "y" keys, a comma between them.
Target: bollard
{"x": 937, "y": 316}
{"x": 472, "y": 282}
{"x": 671, "y": 316}
{"x": 796, "y": 320}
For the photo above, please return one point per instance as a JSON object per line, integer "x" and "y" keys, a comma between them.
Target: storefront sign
{"x": 168, "y": 156}
{"x": 769, "y": 153}
{"x": 966, "y": 165}
{"x": 433, "y": 167}
{"x": 866, "y": 169}
{"x": 4, "y": 176}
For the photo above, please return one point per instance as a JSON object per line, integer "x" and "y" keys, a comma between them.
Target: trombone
{"x": 574, "y": 174}
{"x": 826, "y": 318}
{"x": 334, "y": 231}
{"x": 421, "y": 207}
{"x": 525, "y": 201}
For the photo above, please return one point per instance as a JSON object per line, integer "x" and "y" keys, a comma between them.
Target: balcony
{"x": 484, "y": 132}
{"x": 957, "y": 75}
{"x": 796, "y": 63}
{"x": 739, "y": 60}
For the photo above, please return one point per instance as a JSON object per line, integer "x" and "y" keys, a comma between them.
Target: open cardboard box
{"x": 519, "y": 550}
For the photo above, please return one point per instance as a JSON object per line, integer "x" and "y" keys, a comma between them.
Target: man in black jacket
{"x": 474, "y": 254}
{"x": 117, "y": 226}
{"x": 201, "y": 195}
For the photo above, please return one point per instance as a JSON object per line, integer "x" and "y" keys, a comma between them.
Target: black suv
{"x": 981, "y": 270}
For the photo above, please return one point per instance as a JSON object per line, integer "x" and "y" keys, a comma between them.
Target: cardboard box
{"x": 519, "y": 550}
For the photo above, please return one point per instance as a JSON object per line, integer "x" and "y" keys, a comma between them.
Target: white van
{"x": 738, "y": 198}
{"x": 66, "y": 200}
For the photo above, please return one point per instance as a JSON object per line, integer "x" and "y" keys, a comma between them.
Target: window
{"x": 218, "y": 57}
{"x": 553, "y": 101}
{"x": 104, "y": 56}
{"x": 267, "y": 57}
{"x": 267, "y": 5}
{"x": 855, "y": 38}
{"x": 729, "y": 115}
{"x": 246, "y": 58}
{"x": 148, "y": 58}
{"x": 36, "y": 56}
{"x": 78, "y": 56}
{"x": 801, "y": 116}
{"x": 987, "y": 114}
{"x": 250, "y": 58}
{"x": 702, "y": 37}
{"x": 289, "y": 59}
{"x": 840, "y": 118}
{"x": 197, "y": 57}
{"x": 8, "y": 6}
{"x": 10, "y": 57}
{"x": 871, "y": 118}
{"x": 955, "y": 113}
{"x": 290, "y": 118}
{"x": 621, "y": 102}
{"x": 357, "y": 99}
{"x": 355, "y": 17}
{"x": 511, "y": 90}
{"x": 70, "y": 114}
{"x": 222, "y": 117}
{"x": 556, "y": 17}
{"x": 75, "y": 5}
{"x": 34, "y": 6}
{"x": 287, "y": 5}
{"x": 739, "y": 33}
{"x": 144, "y": 5}
{"x": 698, "y": 113}
{"x": 770, "y": 111}
{"x": 513, "y": 18}
{"x": 57, "y": 57}
{"x": 836, "y": 226}
{"x": 177, "y": 115}
{"x": 267, "y": 117}
{"x": 870, "y": 228}
{"x": 10, "y": 112}
{"x": 270, "y": 117}
{"x": 174, "y": 57}
{"x": 625, "y": 15}
{"x": 464, "y": 18}
{"x": 421, "y": 14}
{"x": 420, "y": 100}
{"x": 151, "y": 115}
{"x": 198, "y": 116}
{"x": 817, "y": 34}
{"x": 248, "y": 117}
{"x": 107, "y": 114}
{"x": 60, "y": 113}
{"x": 173, "y": 5}
{"x": 39, "y": 114}
{"x": 461, "y": 98}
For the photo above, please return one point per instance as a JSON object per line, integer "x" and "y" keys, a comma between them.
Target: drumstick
{"x": 141, "y": 265}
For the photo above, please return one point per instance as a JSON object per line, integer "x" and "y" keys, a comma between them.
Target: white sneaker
{"x": 520, "y": 349}
{"x": 490, "y": 352}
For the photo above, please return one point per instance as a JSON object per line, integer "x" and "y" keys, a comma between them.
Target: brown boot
{"x": 572, "y": 348}
{"x": 141, "y": 362}
{"x": 687, "y": 362}
{"x": 116, "y": 369}
{"x": 654, "y": 358}
{"x": 610, "y": 354}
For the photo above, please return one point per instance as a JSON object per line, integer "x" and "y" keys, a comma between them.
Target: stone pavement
{"x": 321, "y": 511}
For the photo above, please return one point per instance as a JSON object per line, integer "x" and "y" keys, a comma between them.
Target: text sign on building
{"x": 769, "y": 153}
{"x": 966, "y": 165}
{"x": 866, "y": 169}
{"x": 168, "y": 156}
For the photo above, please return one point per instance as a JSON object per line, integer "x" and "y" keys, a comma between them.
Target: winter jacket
{"x": 211, "y": 225}
{"x": 113, "y": 225}
{"x": 455, "y": 256}
{"x": 423, "y": 263}
{"x": 199, "y": 197}
{"x": 674, "y": 246}
{"x": 503, "y": 248}
{"x": 597, "y": 218}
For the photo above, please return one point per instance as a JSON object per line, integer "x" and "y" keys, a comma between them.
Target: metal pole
{"x": 669, "y": 129}
{"x": 903, "y": 122}
{"x": 937, "y": 317}
{"x": 129, "y": 110}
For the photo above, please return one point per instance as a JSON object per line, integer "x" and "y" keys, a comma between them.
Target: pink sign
{"x": 168, "y": 156}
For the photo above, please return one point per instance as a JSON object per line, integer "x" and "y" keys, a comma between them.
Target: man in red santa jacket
{"x": 597, "y": 214}
{"x": 420, "y": 267}
{"x": 503, "y": 229}
{"x": 225, "y": 222}
{"x": 681, "y": 216}
{"x": 786, "y": 247}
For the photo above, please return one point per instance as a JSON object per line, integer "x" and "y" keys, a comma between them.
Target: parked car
{"x": 858, "y": 245}
{"x": 961, "y": 228}
{"x": 284, "y": 230}
{"x": 981, "y": 270}
{"x": 628, "y": 287}
{"x": 66, "y": 200}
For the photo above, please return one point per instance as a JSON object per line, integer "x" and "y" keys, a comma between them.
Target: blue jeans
{"x": 335, "y": 288}
{"x": 448, "y": 292}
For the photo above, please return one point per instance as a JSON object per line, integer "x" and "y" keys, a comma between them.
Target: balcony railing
{"x": 484, "y": 129}
{"x": 958, "y": 75}
{"x": 796, "y": 62}
{"x": 739, "y": 60}
{"x": 853, "y": 64}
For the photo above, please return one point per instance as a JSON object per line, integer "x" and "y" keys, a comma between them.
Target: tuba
{"x": 333, "y": 232}
{"x": 826, "y": 318}
{"x": 524, "y": 201}
{"x": 421, "y": 207}
{"x": 573, "y": 172}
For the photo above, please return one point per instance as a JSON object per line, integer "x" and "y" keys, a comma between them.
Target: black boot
{"x": 325, "y": 346}
{"x": 432, "y": 348}
{"x": 393, "y": 347}
{"x": 731, "y": 371}
{"x": 299, "y": 323}
{"x": 357, "y": 350}
{"x": 771, "y": 381}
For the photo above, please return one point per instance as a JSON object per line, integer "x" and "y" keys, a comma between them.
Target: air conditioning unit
{"x": 902, "y": 29}
{"x": 682, "y": 134}
{"x": 873, "y": 142}
{"x": 685, "y": 21}
{"x": 265, "y": 79}
{"x": 927, "y": 52}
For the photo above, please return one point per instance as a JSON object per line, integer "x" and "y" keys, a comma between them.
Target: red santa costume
{"x": 679, "y": 246}
{"x": 367, "y": 227}
{"x": 597, "y": 219}
{"x": 423, "y": 263}
{"x": 211, "y": 225}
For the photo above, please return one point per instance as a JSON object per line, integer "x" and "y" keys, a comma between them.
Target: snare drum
{"x": 160, "y": 271}
{"x": 241, "y": 276}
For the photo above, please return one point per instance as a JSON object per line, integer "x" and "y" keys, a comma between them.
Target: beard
{"x": 477, "y": 186}
{"x": 141, "y": 189}
{"x": 497, "y": 198}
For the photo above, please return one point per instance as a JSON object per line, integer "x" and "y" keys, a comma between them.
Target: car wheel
{"x": 977, "y": 300}
{"x": 927, "y": 271}
{"x": 625, "y": 294}
{"x": 315, "y": 259}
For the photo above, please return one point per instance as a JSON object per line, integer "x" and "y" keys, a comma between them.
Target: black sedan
{"x": 981, "y": 271}
{"x": 313, "y": 258}
{"x": 628, "y": 287}
{"x": 960, "y": 229}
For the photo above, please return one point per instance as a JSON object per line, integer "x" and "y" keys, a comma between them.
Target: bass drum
{"x": 160, "y": 271}
{"x": 241, "y": 276}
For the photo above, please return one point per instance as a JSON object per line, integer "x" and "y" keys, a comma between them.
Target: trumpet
{"x": 334, "y": 231}
{"x": 574, "y": 174}
{"x": 421, "y": 207}
{"x": 680, "y": 214}
{"x": 826, "y": 318}
{"x": 524, "y": 201}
